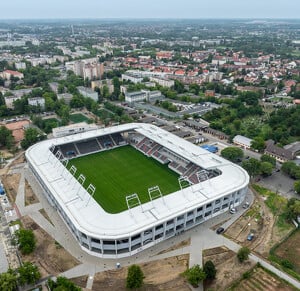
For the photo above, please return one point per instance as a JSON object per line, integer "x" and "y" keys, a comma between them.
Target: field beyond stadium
{"x": 123, "y": 171}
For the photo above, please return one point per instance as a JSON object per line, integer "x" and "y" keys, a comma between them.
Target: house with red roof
{"x": 7, "y": 74}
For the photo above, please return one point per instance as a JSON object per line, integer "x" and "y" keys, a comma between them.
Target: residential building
{"x": 143, "y": 95}
{"x": 73, "y": 129}
{"x": 67, "y": 97}
{"x": 242, "y": 141}
{"x": 162, "y": 82}
{"x": 88, "y": 92}
{"x": 9, "y": 101}
{"x": 101, "y": 83}
{"x": 280, "y": 154}
{"x": 7, "y": 74}
{"x": 131, "y": 78}
{"x": 37, "y": 101}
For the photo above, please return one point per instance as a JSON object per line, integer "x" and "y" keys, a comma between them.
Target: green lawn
{"x": 77, "y": 117}
{"x": 123, "y": 171}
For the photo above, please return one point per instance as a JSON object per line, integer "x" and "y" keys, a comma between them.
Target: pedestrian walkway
{"x": 3, "y": 259}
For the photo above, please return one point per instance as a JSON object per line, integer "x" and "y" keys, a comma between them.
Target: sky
{"x": 58, "y": 9}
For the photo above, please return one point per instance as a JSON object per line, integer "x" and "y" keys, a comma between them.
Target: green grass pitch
{"x": 123, "y": 171}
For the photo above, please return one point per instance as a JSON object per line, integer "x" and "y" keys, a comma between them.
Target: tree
{"x": 267, "y": 158}
{"x": 135, "y": 277}
{"x": 293, "y": 208}
{"x": 8, "y": 281}
{"x": 28, "y": 273}
{"x": 31, "y": 136}
{"x": 178, "y": 86}
{"x": 195, "y": 275}
{"x": 258, "y": 143}
{"x": 266, "y": 168}
{"x": 291, "y": 169}
{"x": 6, "y": 138}
{"x": 26, "y": 240}
{"x": 297, "y": 186}
{"x": 210, "y": 270}
{"x": 243, "y": 254}
{"x": 232, "y": 154}
{"x": 252, "y": 166}
{"x": 62, "y": 284}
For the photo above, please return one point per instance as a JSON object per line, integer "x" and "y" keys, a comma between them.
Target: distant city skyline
{"x": 61, "y": 9}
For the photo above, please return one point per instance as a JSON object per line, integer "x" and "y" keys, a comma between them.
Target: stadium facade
{"x": 210, "y": 185}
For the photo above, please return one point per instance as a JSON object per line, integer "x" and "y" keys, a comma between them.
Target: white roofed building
{"x": 113, "y": 235}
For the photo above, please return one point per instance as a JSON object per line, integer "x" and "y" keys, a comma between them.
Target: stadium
{"x": 123, "y": 189}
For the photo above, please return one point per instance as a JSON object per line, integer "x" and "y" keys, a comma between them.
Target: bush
{"x": 247, "y": 275}
{"x": 243, "y": 254}
{"x": 135, "y": 277}
{"x": 210, "y": 270}
{"x": 26, "y": 240}
{"x": 195, "y": 275}
{"x": 287, "y": 264}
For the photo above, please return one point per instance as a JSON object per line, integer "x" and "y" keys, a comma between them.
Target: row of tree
{"x": 264, "y": 166}
{"x": 27, "y": 274}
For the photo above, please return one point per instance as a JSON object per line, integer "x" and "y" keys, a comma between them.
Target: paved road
{"x": 280, "y": 183}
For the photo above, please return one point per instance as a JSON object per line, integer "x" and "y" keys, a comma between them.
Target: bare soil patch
{"x": 229, "y": 269}
{"x": 30, "y": 197}
{"x": 159, "y": 275}
{"x": 262, "y": 280}
{"x": 6, "y": 154}
{"x": 11, "y": 184}
{"x": 80, "y": 281}
{"x": 180, "y": 245}
{"x": 49, "y": 256}
{"x": 44, "y": 213}
{"x": 290, "y": 250}
{"x": 260, "y": 221}
{"x": 21, "y": 159}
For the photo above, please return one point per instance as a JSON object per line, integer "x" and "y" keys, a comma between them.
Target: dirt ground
{"x": 80, "y": 281}
{"x": 49, "y": 256}
{"x": 261, "y": 280}
{"x": 30, "y": 197}
{"x": 228, "y": 267}
{"x": 159, "y": 275}
{"x": 11, "y": 184}
{"x": 44, "y": 213}
{"x": 19, "y": 160}
{"x": 4, "y": 153}
{"x": 260, "y": 221}
{"x": 290, "y": 250}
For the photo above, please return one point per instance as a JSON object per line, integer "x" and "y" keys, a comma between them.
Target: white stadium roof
{"x": 88, "y": 216}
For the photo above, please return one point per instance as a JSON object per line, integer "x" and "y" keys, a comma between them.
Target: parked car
{"x": 233, "y": 210}
{"x": 250, "y": 236}
{"x": 246, "y": 205}
{"x": 220, "y": 230}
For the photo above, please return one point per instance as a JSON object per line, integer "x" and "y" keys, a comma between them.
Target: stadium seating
{"x": 69, "y": 150}
{"x": 105, "y": 141}
{"x": 88, "y": 146}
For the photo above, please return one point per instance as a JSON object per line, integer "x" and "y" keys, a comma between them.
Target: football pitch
{"x": 123, "y": 171}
